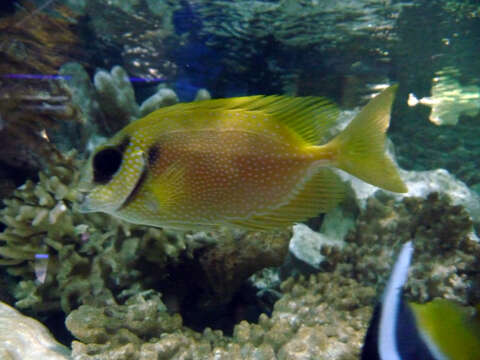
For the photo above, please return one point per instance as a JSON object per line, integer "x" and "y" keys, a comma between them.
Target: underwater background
{"x": 74, "y": 72}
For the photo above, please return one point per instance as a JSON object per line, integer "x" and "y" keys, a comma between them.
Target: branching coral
{"x": 116, "y": 97}
{"x": 90, "y": 256}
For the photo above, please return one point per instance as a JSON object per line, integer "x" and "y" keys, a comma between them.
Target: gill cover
{"x": 111, "y": 176}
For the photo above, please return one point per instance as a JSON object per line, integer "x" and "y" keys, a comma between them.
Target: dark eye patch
{"x": 105, "y": 164}
{"x": 153, "y": 154}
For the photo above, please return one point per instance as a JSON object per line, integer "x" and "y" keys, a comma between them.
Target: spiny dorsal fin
{"x": 309, "y": 117}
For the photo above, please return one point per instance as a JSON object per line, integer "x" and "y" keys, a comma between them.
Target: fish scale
{"x": 233, "y": 181}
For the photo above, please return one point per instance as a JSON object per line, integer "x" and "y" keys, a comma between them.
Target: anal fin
{"x": 322, "y": 192}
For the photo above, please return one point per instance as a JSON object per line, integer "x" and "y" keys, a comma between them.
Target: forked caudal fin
{"x": 360, "y": 148}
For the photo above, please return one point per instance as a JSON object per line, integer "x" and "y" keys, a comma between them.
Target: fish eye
{"x": 105, "y": 164}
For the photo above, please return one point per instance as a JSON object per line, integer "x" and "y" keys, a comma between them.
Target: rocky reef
{"x": 135, "y": 292}
{"x": 322, "y": 315}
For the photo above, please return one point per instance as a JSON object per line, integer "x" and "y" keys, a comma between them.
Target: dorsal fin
{"x": 309, "y": 117}
{"x": 323, "y": 191}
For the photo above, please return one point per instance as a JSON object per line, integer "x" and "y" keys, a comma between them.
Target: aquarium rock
{"x": 24, "y": 338}
{"x": 202, "y": 94}
{"x": 305, "y": 245}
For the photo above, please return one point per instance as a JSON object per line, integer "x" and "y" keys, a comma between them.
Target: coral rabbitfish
{"x": 253, "y": 162}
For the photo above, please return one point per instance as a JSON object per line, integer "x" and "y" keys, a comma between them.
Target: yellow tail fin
{"x": 360, "y": 148}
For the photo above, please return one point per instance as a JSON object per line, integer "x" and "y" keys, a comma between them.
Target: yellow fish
{"x": 253, "y": 162}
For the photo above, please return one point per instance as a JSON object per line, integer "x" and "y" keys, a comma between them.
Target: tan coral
{"x": 308, "y": 322}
